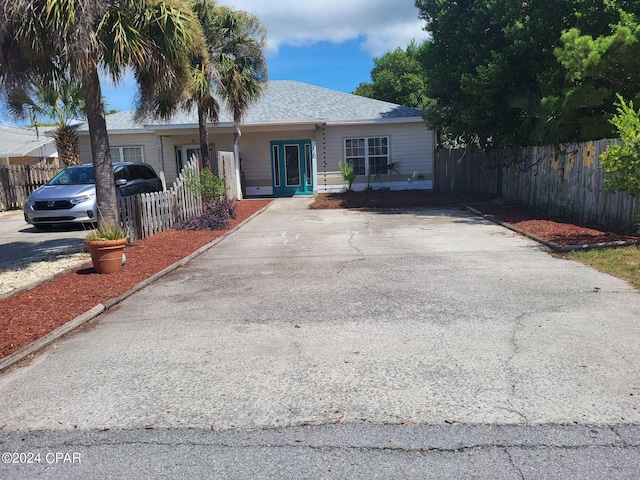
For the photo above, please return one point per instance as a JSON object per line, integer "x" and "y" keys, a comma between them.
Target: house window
{"x": 126, "y": 154}
{"x": 185, "y": 153}
{"x": 367, "y": 155}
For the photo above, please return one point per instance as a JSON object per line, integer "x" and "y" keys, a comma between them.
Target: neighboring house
{"x": 292, "y": 141}
{"x": 25, "y": 146}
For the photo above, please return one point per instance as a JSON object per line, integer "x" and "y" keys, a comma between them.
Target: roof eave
{"x": 302, "y": 122}
{"x": 113, "y": 131}
{"x": 29, "y": 153}
{"x": 376, "y": 121}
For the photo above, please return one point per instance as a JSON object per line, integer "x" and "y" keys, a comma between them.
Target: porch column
{"x": 314, "y": 167}
{"x": 236, "y": 154}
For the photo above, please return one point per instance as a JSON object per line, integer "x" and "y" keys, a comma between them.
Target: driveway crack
{"x": 353, "y": 246}
{"x": 513, "y": 464}
{"x": 517, "y": 327}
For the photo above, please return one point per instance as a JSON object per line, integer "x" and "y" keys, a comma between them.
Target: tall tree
{"x": 234, "y": 69}
{"x": 483, "y": 53}
{"x": 398, "y": 77}
{"x": 597, "y": 69}
{"x": 61, "y": 101}
{"x": 44, "y": 40}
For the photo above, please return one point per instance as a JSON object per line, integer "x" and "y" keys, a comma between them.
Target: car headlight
{"x": 84, "y": 198}
{"x": 29, "y": 202}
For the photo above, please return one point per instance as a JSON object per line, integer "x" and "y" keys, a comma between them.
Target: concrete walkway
{"x": 301, "y": 317}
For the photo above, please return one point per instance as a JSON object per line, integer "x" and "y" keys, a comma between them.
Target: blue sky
{"x": 336, "y": 66}
{"x": 329, "y": 43}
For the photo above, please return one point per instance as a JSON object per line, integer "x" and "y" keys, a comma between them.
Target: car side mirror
{"x": 121, "y": 182}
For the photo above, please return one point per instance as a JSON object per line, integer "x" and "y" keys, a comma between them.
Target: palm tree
{"x": 236, "y": 66}
{"x": 61, "y": 101}
{"x": 45, "y": 40}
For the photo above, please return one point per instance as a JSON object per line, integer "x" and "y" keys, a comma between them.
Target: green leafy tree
{"x": 621, "y": 162}
{"x": 234, "y": 68}
{"x": 596, "y": 69}
{"x": 44, "y": 40}
{"x": 398, "y": 77}
{"x": 61, "y": 101}
{"x": 483, "y": 53}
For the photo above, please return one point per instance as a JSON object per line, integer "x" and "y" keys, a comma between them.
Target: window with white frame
{"x": 126, "y": 154}
{"x": 369, "y": 154}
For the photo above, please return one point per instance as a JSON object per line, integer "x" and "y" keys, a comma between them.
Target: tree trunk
{"x": 67, "y": 145}
{"x": 105, "y": 186}
{"x": 204, "y": 139}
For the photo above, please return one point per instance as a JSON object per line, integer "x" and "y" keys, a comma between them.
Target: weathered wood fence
{"x": 150, "y": 213}
{"x": 463, "y": 170}
{"x": 227, "y": 169}
{"x": 18, "y": 181}
{"x": 568, "y": 182}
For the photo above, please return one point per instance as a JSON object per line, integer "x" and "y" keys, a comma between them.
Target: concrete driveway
{"x": 301, "y": 317}
{"x": 19, "y": 240}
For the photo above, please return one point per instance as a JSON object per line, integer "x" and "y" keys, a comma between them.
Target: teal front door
{"x": 291, "y": 168}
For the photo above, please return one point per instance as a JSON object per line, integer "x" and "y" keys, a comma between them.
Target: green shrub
{"x": 348, "y": 172}
{"x": 209, "y": 185}
{"x": 621, "y": 162}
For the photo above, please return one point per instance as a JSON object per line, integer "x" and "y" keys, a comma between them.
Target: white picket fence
{"x": 150, "y": 213}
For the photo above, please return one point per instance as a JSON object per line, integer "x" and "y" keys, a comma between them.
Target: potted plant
{"x": 106, "y": 245}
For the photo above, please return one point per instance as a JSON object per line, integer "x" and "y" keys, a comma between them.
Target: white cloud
{"x": 382, "y": 24}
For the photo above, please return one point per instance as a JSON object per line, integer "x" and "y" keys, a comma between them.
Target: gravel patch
{"x": 34, "y": 270}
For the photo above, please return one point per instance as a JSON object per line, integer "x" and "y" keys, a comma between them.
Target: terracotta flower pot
{"x": 106, "y": 254}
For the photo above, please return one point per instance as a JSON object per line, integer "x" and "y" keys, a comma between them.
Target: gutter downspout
{"x": 161, "y": 158}
{"x": 236, "y": 154}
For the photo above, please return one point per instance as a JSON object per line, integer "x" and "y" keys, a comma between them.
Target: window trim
{"x": 182, "y": 158}
{"x": 366, "y": 150}
{"x": 121, "y": 152}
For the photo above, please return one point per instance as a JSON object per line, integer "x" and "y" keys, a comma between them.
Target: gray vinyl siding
{"x": 145, "y": 140}
{"x": 223, "y": 142}
{"x": 410, "y": 144}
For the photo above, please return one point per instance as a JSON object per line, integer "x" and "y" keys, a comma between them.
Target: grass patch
{"x": 621, "y": 262}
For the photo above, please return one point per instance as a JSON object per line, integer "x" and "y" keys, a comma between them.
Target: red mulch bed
{"x": 31, "y": 314}
{"x": 557, "y": 230}
{"x": 397, "y": 199}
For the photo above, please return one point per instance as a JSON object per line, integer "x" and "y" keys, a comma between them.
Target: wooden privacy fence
{"x": 18, "y": 181}
{"x": 566, "y": 182}
{"x": 227, "y": 169}
{"x": 570, "y": 183}
{"x": 461, "y": 170}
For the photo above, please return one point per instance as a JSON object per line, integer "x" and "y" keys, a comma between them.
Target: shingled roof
{"x": 22, "y": 142}
{"x": 284, "y": 102}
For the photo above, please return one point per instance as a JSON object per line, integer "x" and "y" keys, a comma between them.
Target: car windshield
{"x": 74, "y": 176}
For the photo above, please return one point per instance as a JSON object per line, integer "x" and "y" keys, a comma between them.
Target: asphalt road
{"x": 338, "y": 344}
{"x": 19, "y": 240}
